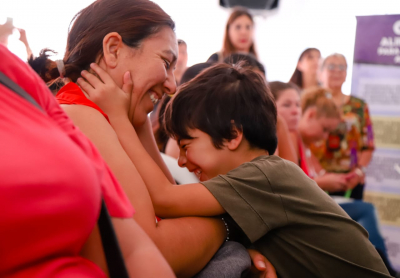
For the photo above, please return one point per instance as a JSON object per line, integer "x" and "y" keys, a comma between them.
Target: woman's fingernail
{"x": 83, "y": 72}
{"x": 93, "y": 65}
{"x": 261, "y": 264}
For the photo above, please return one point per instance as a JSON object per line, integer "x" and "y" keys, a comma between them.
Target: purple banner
{"x": 378, "y": 40}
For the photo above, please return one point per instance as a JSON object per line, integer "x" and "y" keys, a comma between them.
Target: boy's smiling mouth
{"x": 197, "y": 172}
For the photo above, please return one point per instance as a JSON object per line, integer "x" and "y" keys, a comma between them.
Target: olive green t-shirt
{"x": 294, "y": 223}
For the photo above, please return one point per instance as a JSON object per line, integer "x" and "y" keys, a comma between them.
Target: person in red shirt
{"x": 52, "y": 182}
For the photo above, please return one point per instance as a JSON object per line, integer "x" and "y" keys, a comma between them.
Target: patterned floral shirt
{"x": 339, "y": 153}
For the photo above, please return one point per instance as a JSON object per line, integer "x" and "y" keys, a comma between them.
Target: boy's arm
{"x": 148, "y": 141}
{"x": 169, "y": 200}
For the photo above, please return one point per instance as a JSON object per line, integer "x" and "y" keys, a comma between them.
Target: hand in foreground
{"x": 260, "y": 266}
{"x": 103, "y": 91}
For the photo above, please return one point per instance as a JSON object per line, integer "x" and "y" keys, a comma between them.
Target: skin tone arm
{"x": 24, "y": 39}
{"x": 139, "y": 252}
{"x": 187, "y": 243}
{"x": 148, "y": 141}
{"x": 172, "y": 148}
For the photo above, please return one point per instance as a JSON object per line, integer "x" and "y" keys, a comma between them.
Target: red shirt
{"x": 52, "y": 181}
{"x": 72, "y": 94}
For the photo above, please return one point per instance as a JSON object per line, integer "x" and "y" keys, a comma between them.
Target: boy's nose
{"x": 182, "y": 160}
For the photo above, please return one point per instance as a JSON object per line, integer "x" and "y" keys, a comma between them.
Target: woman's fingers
{"x": 128, "y": 84}
{"x": 85, "y": 86}
{"x": 104, "y": 76}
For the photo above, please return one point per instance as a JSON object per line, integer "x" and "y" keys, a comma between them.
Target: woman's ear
{"x": 235, "y": 142}
{"x": 112, "y": 44}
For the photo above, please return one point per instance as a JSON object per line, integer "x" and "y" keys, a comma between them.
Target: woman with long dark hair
{"x": 239, "y": 36}
{"x": 305, "y": 75}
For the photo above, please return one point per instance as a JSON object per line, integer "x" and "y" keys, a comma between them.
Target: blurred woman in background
{"x": 306, "y": 72}
{"x": 348, "y": 148}
{"x": 239, "y": 36}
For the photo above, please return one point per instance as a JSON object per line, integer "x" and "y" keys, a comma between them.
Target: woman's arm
{"x": 187, "y": 243}
{"x": 139, "y": 252}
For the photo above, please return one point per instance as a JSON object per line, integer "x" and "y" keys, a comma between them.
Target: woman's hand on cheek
{"x": 103, "y": 91}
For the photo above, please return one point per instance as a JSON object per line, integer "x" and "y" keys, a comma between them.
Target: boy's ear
{"x": 235, "y": 142}
{"x": 112, "y": 44}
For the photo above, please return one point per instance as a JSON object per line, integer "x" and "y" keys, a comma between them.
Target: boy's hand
{"x": 114, "y": 101}
{"x": 260, "y": 266}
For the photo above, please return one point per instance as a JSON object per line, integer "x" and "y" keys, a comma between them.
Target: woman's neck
{"x": 309, "y": 80}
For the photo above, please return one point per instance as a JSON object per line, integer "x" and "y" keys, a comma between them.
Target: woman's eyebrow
{"x": 170, "y": 52}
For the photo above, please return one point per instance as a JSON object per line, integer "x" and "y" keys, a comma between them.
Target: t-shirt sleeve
{"x": 247, "y": 196}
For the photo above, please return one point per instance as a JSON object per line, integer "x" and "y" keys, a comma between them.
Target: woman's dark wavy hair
{"x": 220, "y": 98}
{"x": 134, "y": 20}
{"x": 297, "y": 76}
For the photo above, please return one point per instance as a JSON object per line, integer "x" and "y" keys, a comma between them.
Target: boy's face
{"x": 200, "y": 156}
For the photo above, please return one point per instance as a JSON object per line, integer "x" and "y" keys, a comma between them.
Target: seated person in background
{"x": 320, "y": 116}
{"x": 225, "y": 123}
{"x": 348, "y": 148}
{"x": 239, "y": 36}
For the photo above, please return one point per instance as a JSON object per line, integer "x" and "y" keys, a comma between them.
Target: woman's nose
{"x": 170, "y": 84}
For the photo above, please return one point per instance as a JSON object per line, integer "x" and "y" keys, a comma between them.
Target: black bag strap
{"x": 115, "y": 260}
